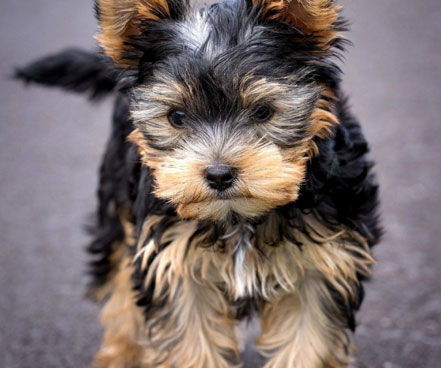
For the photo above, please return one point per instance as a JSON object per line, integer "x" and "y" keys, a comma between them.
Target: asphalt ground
{"x": 51, "y": 144}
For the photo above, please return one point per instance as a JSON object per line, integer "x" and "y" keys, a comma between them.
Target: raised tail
{"x": 73, "y": 70}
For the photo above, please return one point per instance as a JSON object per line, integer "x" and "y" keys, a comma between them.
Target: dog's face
{"x": 228, "y": 100}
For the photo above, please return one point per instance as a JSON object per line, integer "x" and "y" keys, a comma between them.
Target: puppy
{"x": 235, "y": 182}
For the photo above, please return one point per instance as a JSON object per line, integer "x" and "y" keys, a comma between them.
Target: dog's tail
{"x": 73, "y": 70}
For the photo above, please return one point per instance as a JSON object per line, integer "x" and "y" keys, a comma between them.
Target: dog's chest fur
{"x": 247, "y": 261}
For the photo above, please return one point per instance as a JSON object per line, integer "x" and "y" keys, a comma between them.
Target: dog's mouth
{"x": 231, "y": 194}
{"x": 225, "y": 206}
{"x": 228, "y": 196}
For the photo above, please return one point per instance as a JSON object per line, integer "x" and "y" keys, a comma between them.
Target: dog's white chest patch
{"x": 244, "y": 281}
{"x": 244, "y": 277}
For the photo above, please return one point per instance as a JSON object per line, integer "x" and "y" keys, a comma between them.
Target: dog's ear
{"x": 317, "y": 18}
{"x": 122, "y": 21}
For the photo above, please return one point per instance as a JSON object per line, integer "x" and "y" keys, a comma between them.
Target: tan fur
{"x": 284, "y": 266}
{"x": 196, "y": 327}
{"x": 296, "y": 329}
{"x": 267, "y": 176}
{"x": 253, "y": 90}
{"x": 297, "y": 333}
{"x": 322, "y": 119}
{"x": 313, "y": 17}
{"x": 120, "y": 20}
{"x": 123, "y": 324}
{"x": 289, "y": 278}
{"x": 197, "y": 330}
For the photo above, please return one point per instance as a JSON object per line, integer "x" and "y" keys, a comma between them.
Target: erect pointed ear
{"x": 317, "y": 18}
{"x": 121, "y": 21}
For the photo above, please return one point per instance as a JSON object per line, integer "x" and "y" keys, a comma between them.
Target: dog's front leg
{"x": 303, "y": 329}
{"x": 194, "y": 330}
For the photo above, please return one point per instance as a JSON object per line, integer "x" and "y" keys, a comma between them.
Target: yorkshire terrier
{"x": 235, "y": 182}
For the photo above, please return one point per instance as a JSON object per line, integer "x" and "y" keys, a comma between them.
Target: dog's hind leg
{"x": 123, "y": 324}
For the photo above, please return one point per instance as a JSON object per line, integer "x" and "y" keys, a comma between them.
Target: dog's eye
{"x": 263, "y": 113}
{"x": 176, "y": 118}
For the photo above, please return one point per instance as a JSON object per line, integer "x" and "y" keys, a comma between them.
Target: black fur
{"x": 74, "y": 70}
{"x": 339, "y": 188}
{"x": 119, "y": 176}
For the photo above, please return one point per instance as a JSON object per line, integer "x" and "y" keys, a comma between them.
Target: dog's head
{"x": 229, "y": 98}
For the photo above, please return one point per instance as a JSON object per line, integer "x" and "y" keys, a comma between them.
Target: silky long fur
{"x": 177, "y": 264}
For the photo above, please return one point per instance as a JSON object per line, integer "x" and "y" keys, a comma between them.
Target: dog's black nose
{"x": 220, "y": 177}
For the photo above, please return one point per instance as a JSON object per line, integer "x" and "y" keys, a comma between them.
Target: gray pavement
{"x": 50, "y": 146}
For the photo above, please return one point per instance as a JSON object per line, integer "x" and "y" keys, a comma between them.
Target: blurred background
{"x": 51, "y": 144}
